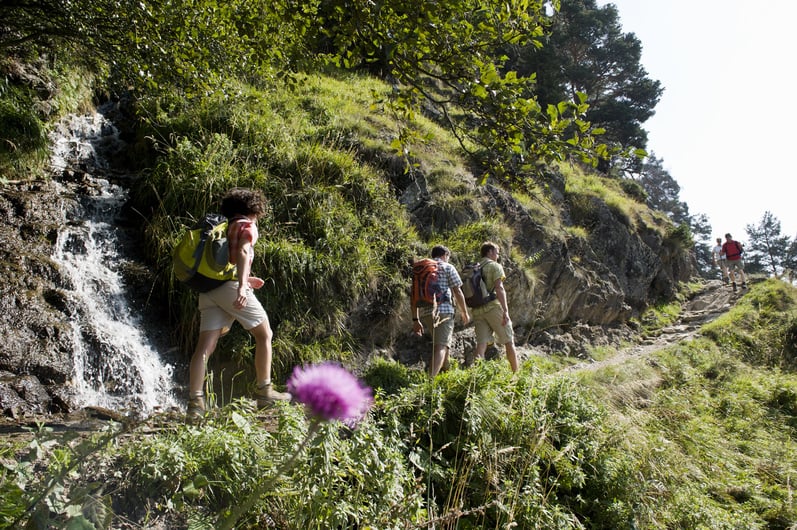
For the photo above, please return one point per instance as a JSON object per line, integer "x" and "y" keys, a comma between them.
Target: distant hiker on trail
{"x": 719, "y": 260}
{"x": 235, "y": 300}
{"x": 733, "y": 254}
{"x": 493, "y": 317}
{"x": 434, "y": 312}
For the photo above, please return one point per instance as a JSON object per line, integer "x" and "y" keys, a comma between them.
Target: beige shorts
{"x": 217, "y": 312}
{"x": 488, "y": 322}
{"x": 735, "y": 265}
{"x": 442, "y": 333}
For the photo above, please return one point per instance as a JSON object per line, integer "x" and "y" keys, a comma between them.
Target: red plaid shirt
{"x": 241, "y": 230}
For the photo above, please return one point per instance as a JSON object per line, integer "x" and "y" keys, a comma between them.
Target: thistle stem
{"x": 227, "y": 523}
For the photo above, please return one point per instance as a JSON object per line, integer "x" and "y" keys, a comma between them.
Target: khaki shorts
{"x": 217, "y": 311}
{"x": 442, "y": 333}
{"x": 735, "y": 265}
{"x": 488, "y": 322}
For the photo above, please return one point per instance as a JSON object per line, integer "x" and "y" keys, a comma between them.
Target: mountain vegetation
{"x": 378, "y": 130}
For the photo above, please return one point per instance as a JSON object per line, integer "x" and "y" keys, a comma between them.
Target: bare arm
{"x": 500, "y": 294}
{"x": 244, "y": 265}
{"x": 417, "y": 327}
{"x": 463, "y": 307}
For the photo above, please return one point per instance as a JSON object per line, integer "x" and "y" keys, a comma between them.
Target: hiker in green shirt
{"x": 492, "y": 319}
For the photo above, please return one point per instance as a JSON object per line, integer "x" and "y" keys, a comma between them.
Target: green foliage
{"x": 32, "y": 96}
{"x": 189, "y": 46}
{"x": 389, "y": 376}
{"x": 473, "y": 448}
{"x": 342, "y": 478}
{"x": 708, "y": 425}
{"x": 767, "y": 247}
{"x": 586, "y": 51}
{"x": 46, "y": 483}
{"x": 23, "y": 140}
{"x": 492, "y": 451}
{"x": 582, "y": 190}
{"x": 466, "y": 240}
{"x": 680, "y": 236}
{"x": 634, "y": 190}
{"x": 700, "y": 435}
{"x": 761, "y": 326}
{"x": 659, "y": 316}
{"x": 725, "y": 419}
{"x": 449, "y": 55}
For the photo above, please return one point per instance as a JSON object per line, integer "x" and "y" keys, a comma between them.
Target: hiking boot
{"x": 725, "y": 281}
{"x": 744, "y": 285}
{"x": 734, "y": 286}
{"x": 196, "y": 409}
{"x": 266, "y": 395}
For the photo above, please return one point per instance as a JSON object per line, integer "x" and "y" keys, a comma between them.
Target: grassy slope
{"x": 709, "y": 424}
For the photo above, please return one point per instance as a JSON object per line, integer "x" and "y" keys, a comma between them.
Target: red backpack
{"x": 425, "y": 287}
{"x": 733, "y": 255}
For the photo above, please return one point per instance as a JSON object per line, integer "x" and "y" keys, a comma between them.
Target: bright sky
{"x": 726, "y": 125}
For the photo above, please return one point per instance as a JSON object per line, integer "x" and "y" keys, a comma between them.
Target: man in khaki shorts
{"x": 492, "y": 319}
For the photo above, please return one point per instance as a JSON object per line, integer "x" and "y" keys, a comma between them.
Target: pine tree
{"x": 768, "y": 249}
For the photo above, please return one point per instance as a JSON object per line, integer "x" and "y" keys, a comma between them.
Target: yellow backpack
{"x": 201, "y": 259}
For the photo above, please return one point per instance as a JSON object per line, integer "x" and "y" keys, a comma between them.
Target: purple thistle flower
{"x": 330, "y": 392}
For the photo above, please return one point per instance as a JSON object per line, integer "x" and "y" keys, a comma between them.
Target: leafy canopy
{"x": 447, "y": 54}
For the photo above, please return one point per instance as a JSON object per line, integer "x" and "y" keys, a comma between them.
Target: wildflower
{"x": 330, "y": 392}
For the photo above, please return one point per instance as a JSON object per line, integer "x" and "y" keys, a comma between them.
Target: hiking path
{"x": 712, "y": 301}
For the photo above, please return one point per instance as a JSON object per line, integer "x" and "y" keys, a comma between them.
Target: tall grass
{"x": 708, "y": 424}
{"x": 334, "y": 243}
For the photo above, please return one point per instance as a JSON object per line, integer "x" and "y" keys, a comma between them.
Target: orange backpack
{"x": 425, "y": 288}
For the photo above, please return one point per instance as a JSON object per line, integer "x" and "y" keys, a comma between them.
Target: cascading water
{"x": 115, "y": 364}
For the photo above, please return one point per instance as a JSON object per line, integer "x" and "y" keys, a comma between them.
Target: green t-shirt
{"x": 491, "y": 271}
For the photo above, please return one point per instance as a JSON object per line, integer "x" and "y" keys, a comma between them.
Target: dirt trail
{"x": 708, "y": 304}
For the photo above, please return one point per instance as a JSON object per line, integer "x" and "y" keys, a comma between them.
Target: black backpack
{"x": 473, "y": 287}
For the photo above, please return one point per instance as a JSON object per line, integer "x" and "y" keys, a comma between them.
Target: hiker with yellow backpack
{"x": 215, "y": 259}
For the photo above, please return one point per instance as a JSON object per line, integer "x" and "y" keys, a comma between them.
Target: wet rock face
{"x": 20, "y": 395}
{"x": 36, "y": 353}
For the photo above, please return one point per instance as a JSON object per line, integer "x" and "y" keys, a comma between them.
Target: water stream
{"x": 116, "y": 366}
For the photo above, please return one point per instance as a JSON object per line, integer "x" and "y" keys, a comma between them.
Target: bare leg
{"x": 479, "y": 351}
{"x": 205, "y": 346}
{"x": 439, "y": 356}
{"x": 511, "y": 356}
{"x": 263, "y": 353}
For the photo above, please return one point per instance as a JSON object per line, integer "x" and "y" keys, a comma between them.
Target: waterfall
{"x": 116, "y": 366}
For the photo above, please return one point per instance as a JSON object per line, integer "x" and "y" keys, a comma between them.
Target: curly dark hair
{"x": 243, "y": 201}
